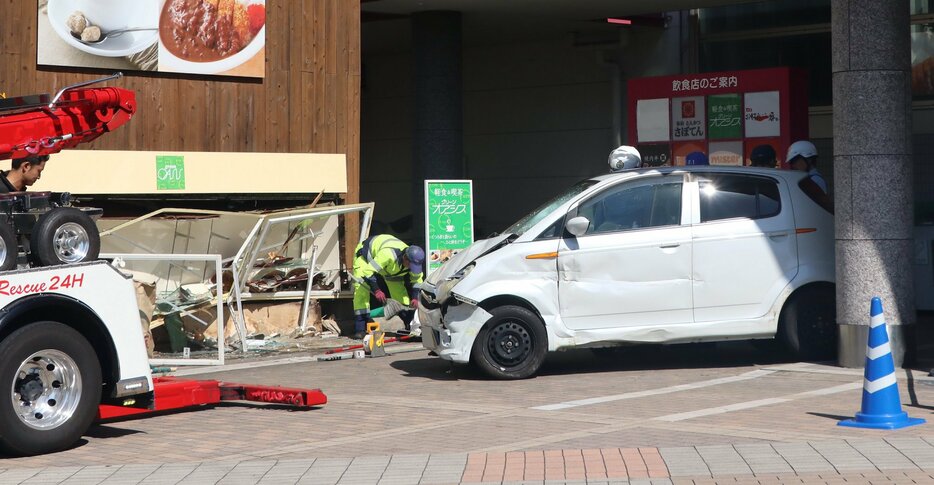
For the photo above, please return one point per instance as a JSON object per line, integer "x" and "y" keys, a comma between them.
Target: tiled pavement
{"x": 671, "y": 415}
{"x": 901, "y": 461}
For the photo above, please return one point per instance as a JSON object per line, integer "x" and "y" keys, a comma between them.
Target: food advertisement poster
{"x": 653, "y": 120}
{"x": 724, "y": 114}
{"x": 688, "y": 118}
{"x": 206, "y": 37}
{"x": 681, "y": 150}
{"x": 726, "y": 153}
{"x": 655, "y": 155}
{"x": 763, "y": 114}
{"x": 448, "y": 220}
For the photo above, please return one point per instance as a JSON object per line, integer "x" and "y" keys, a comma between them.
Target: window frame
{"x": 652, "y": 180}
{"x": 698, "y": 177}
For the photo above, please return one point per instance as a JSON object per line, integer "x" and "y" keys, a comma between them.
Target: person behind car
{"x": 763, "y": 156}
{"x": 802, "y": 155}
{"x": 23, "y": 173}
{"x": 624, "y": 157}
{"x": 382, "y": 264}
{"x": 696, "y": 158}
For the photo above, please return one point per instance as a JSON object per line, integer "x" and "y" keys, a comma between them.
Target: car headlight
{"x": 463, "y": 272}
{"x": 444, "y": 289}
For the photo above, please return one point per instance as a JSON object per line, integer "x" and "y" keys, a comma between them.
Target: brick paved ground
{"x": 678, "y": 414}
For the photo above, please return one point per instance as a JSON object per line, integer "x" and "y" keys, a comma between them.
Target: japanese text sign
{"x": 723, "y": 117}
{"x": 763, "y": 114}
{"x": 448, "y": 219}
{"x": 170, "y": 172}
{"x": 688, "y": 118}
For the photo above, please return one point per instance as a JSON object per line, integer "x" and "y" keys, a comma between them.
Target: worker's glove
{"x": 380, "y": 296}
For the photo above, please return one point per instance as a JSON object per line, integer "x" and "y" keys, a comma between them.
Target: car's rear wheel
{"x": 51, "y": 379}
{"x": 64, "y": 235}
{"x": 512, "y": 344}
{"x": 808, "y": 322}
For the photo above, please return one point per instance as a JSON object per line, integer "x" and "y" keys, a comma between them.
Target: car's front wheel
{"x": 808, "y": 322}
{"x": 52, "y": 381}
{"x": 512, "y": 344}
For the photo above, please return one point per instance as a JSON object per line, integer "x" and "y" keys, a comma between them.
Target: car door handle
{"x": 670, "y": 246}
{"x": 778, "y": 234}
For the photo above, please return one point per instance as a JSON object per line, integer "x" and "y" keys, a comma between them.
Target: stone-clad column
{"x": 438, "y": 144}
{"x": 872, "y": 172}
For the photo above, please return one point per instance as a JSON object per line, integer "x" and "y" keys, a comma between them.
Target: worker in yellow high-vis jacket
{"x": 382, "y": 264}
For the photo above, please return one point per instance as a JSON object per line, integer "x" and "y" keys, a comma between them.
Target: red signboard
{"x": 723, "y": 114}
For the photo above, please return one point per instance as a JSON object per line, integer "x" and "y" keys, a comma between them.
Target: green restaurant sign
{"x": 723, "y": 117}
{"x": 170, "y": 172}
{"x": 448, "y": 219}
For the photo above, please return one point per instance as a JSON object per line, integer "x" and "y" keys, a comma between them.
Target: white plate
{"x": 170, "y": 63}
{"x": 140, "y": 13}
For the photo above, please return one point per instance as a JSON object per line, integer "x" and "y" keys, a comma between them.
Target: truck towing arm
{"x": 40, "y": 125}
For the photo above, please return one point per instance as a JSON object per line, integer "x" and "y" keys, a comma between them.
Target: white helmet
{"x": 624, "y": 157}
{"x": 801, "y": 148}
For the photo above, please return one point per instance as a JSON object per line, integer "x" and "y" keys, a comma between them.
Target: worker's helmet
{"x": 696, "y": 158}
{"x": 801, "y": 148}
{"x": 624, "y": 157}
{"x": 763, "y": 156}
{"x": 416, "y": 256}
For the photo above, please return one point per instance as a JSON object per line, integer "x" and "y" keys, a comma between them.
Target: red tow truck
{"x": 71, "y": 346}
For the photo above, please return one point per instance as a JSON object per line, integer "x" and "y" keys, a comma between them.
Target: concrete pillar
{"x": 438, "y": 144}
{"x": 872, "y": 172}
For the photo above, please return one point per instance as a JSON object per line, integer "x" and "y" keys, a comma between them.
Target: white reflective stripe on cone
{"x": 874, "y": 353}
{"x": 879, "y": 384}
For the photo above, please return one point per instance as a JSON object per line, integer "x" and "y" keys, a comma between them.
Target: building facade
{"x": 541, "y": 102}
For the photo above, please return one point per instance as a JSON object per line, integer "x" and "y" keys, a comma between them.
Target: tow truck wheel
{"x": 8, "y": 247}
{"x": 512, "y": 344}
{"x": 64, "y": 235}
{"x": 52, "y": 380}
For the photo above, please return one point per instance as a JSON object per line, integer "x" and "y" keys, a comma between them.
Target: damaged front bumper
{"x": 449, "y": 326}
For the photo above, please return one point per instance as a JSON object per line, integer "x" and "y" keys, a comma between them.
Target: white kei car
{"x": 661, "y": 255}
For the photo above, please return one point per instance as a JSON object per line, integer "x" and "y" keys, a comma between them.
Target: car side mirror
{"x": 578, "y": 225}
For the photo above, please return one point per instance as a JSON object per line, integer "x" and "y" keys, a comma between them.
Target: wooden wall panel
{"x": 9, "y": 38}
{"x": 276, "y": 111}
{"x": 309, "y": 100}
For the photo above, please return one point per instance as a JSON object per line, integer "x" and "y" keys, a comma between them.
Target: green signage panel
{"x": 723, "y": 116}
{"x": 448, "y": 219}
{"x": 170, "y": 172}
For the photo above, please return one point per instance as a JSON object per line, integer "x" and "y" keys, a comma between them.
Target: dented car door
{"x": 632, "y": 267}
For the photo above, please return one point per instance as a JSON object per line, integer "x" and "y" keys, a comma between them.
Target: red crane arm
{"x": 32, "y": 126}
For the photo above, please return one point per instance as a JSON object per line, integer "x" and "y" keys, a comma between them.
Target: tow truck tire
{"x": 50, "y": 387}
{"x": 64, "y": 235}
{"x": 8, "y": 247}
{"x": 512, "y": 344}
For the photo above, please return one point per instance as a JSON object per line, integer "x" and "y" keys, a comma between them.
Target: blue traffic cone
{"x": 882, "y": 408}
